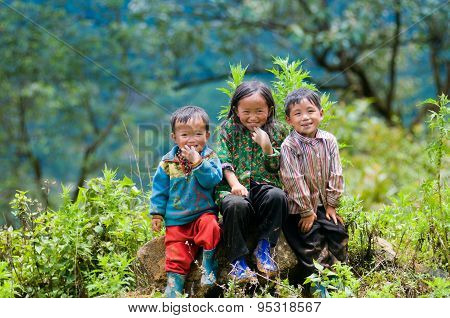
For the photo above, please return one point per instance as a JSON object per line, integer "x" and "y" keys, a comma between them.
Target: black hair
{"x": 246, "y": 89}
{"x": 184, "y": 114}
{"x": 295, "y": 97}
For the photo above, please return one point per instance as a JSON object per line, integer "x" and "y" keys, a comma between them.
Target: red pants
{"x": 182, "y": 242}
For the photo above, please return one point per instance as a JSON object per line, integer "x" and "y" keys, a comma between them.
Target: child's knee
{"x": 208, "y": 232}
{"x": 278, "y": 195}
{"x": 235, "y": 204}
{"x": 179, "y": 257}
{"x": 208, "y": 223}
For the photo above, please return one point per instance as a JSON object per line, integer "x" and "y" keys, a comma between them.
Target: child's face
{"x": 193, "y": 133}
{"x": 305, "y": 118}
{"x": 253, "y": 111}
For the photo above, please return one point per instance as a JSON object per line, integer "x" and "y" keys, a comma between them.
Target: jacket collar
{"x": 172, "y": 154}
{"x": 295, "y": 139}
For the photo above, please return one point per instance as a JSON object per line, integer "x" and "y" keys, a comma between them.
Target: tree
{"x": 60, "y": 105}
{"x": 361, "y": 47}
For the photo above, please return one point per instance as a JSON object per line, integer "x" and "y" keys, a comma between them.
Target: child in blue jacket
{"x": 182, "y": 196}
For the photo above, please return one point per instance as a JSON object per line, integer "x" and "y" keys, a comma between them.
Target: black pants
{"x": 326, "y": 242}
{"x": 263, "y": 210}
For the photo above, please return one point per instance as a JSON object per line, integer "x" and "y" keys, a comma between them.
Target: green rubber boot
{"x": 175, "y": 284}
{"x": 209, "y": 265}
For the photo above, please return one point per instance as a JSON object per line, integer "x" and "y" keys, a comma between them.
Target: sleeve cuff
{"x": 306, "y": 213}
{"x": 156, "y": 215}
{"x": 275, "y": 154}
{"x": 332, "y": 201}
{"x": 227, "y": 166}
{"x": 198, "y": 165}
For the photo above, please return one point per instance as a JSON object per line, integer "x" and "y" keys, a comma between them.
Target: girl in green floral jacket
{"x": 250, "y": 196}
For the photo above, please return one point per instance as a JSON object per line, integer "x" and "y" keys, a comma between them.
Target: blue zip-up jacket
{"x": 181, "y": 199}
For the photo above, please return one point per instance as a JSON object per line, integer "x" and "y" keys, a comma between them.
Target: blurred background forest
{"x": 84, "y": 84}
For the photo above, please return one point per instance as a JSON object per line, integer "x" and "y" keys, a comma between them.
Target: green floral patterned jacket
{"x": 240, "y": 154}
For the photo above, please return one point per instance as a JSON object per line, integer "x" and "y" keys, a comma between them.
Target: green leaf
{"x": 318, "y": 266}
{"x": 127, "y": 182}
{"x": 39, "y": 249}
{"x": 98, "y": 229}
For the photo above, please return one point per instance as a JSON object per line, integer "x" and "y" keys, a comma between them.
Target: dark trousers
{"x": 263, "y": 211}
{"x": 326, "y": 242}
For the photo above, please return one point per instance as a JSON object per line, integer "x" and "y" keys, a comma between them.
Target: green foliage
{"x": 237, "y": 77}
{"x": 440, "y": 287}
{"x": 85, "y": 248}
{"x": 6, "y": 282}
{"x": 269, "y": 288}
{"x": 434, "y": 189}
{"x": 283, "y": 289}
{"x": 393, "y": 282}
{"x": 380, "y": 160}
{"x": 388, "y": 290}
{"x": 113, "y": 276}
{"x": 288, "y": 77}
{"x": 339, "y": 281}
{"x": 364, "y": 227}
{"x": 233, "y": 290}
{"x": 21, "y": 208}
{"x": 50, "y": 82}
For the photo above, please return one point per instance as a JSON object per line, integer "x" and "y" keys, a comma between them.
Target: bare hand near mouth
{"x": 190, "y": 154}
{"x": 262, "y": 139}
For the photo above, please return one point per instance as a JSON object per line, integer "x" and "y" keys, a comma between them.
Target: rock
{"x": 151, "y": 260}
{"x": 384, "y": 250}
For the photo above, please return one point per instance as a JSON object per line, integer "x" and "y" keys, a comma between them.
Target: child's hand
{"x": 305, "y": 224}
{"x": 190, "y": 154}
{"x": 239, "y": 189}
{"x": 156, "y": 224}
{"x": 262, "y": 139}
{"x": 331, "y": 214}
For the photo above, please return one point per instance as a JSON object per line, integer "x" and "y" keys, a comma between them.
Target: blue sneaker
{"x": 175, "y": 284}
{"x": 209, "y": 264}
{"x": 264, "y": 261}
{"x": 241, "y": 273}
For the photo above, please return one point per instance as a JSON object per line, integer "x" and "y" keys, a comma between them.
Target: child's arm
{"x": 296, "y": 187}
{"x": 236, "y": 187}
{"x": 209, "y": 172}
{"x": 335, "y": 185}
{"x": 159, "y": 197}
{"x": 225, "y": 151}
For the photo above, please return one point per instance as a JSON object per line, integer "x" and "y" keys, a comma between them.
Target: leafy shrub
{"x": 6, "y": 284}
{"x": 339, "y": 281}
{"x": 113, "y": 276}
{"x": 440, "y": 287}
{"x": 85, "y": 248}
